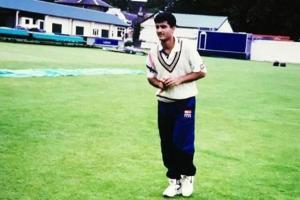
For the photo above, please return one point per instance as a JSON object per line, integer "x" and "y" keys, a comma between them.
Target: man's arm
{"x": 156, "y": 83}
{"x": 193, "y": 76}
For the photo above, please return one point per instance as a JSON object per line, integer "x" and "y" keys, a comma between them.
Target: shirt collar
{"x": 176, "y": 47}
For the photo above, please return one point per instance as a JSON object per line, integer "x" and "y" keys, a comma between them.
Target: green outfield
{"x": 95, "y": 137}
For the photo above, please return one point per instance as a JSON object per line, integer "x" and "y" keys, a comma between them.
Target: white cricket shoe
{"x": 187, "y": 185}
{"x": 173, "y": 189}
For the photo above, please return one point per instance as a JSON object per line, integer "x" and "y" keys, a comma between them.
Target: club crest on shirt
{"x": 187, "y": 114}
{"x": 202, "y": 66}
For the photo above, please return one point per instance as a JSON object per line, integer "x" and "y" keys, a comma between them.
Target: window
{"x": 27, "y": 21}
{"x": 41, "y": 25}
{"x": 104, "y": 33}
{"x": 56, "y": 28}
{"x": 95, "y": 31}
{"x": 79, "y": 30}
{"x": 120, "y": 32}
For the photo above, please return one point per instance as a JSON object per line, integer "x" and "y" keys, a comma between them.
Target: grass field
{"x": 95, "y": 137}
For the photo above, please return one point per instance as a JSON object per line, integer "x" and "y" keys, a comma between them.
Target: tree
{"x": 122, "y": 4}
{"x": 276, "y": 17}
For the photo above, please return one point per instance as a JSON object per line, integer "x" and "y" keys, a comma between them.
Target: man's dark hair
{"x": 165, "y": 16}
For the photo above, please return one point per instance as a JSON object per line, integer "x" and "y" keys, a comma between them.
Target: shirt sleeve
{"x": 196, "y": 61}
{"x": 151, "y": 70}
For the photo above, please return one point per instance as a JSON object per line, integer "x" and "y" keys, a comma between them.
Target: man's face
{"x": 164, "y": 31}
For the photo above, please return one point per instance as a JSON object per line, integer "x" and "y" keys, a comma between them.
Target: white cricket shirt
{"x": 182, "y": 60}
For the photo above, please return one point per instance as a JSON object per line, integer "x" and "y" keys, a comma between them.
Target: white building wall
{"x": 22, "y": 22}
{"x": 86, "y": 27}
{"x": 149, "y": 38}
{"x": 112, "y": 32}
{"x": 69, "y": 27}
{"x": 187, "y": 33}
{"x": 282, "y": 51}
{"x": 226, "y": 27}
{"x": 148, "y": 34}
{"x": 29, "y": 24}
{"x": 100, "y": 27}
{"x": 49, "y": 20}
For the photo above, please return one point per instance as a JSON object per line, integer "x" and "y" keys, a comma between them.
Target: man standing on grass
{"x": 173, "y": 68}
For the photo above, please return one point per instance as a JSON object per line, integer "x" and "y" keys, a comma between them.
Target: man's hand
{"x": 157, "y": 83}
{"x": 166, "y": 83}
{"x": 161, "y": 85}
{"x": 171, "y": 82}
{"x": 174, "y": 81}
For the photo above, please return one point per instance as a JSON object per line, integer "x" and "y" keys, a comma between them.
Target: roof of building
{"x": 130, "y": 16}
{"x": 85, "y": 2}
{"x": 59, "y": 10}
{"x": 197, "y": 21}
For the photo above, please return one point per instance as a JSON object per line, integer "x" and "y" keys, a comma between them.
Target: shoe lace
{"x": 174, "y": 182}
{"x": 186, "y": 179}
